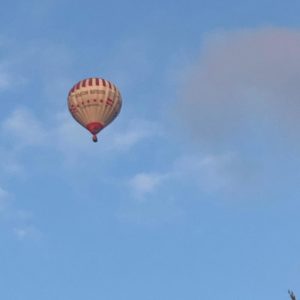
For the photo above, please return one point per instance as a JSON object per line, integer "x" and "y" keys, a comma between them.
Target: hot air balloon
{"x": 94, "y": 103}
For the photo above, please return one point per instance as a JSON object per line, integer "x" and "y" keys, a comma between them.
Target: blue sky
{"x": 192, "y": 192}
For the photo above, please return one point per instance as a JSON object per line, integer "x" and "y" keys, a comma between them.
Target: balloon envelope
{"x": 94, "y": 103}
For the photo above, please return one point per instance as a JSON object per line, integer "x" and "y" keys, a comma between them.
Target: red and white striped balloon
{"x": 94, "y": 103}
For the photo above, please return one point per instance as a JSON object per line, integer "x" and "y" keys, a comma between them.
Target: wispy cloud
{"x": 24, "y": 128}
{"x": 130, "y": 62}
{"x": 6, "y": 78}
{"x": 10, "y": 164}
{"x": 205, "y": 173}
{"x": 145, "y": 183}
{"x": 133, "y": 133}
{"x": 4, "y": 197}
{"x": 20, "y": 221}
{"x": 5, "y": 81}
{"x": 34, "y": 66}
{"x": 211, "y": 173}
{"x": 159, "y": 197}
{"x": 152, "y": 213}
{"x": 73, "y": 140}
{"x": 27, "y": 232}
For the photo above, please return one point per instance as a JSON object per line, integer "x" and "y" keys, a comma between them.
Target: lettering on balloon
{"x": 80, "y": 94}
{"x": 96, "y": 91}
